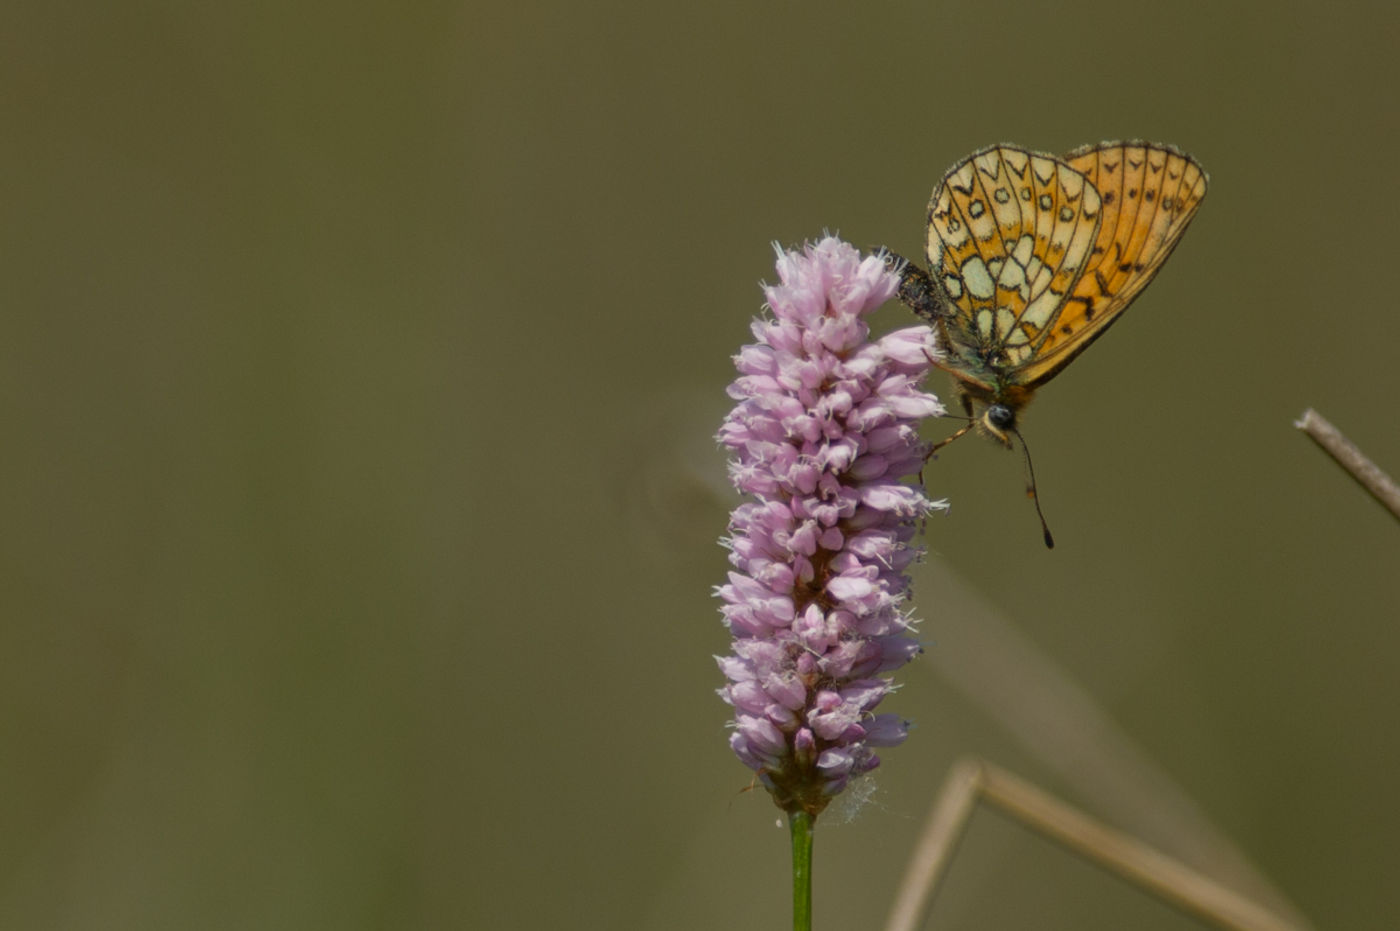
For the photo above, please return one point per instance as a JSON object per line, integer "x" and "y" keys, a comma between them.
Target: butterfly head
{"x": 1000, "y": 407}
{"x": 998, "y": 420}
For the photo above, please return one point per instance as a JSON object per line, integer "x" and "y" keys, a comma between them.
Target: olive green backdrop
{"x": 359, "y": 368}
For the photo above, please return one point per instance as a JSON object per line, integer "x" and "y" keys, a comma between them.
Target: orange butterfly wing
{"x": 1010, "y": 232}
{"x": 1150, "y": 194}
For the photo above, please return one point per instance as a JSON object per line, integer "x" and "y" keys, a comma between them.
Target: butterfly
{"x": 1032, "y": 257}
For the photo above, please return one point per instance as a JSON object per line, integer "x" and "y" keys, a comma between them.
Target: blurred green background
{"x": 359, "y": 372}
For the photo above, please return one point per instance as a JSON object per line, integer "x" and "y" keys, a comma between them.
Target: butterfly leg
{"x": 942, "y": 443}
{"x": 967, "y": 407}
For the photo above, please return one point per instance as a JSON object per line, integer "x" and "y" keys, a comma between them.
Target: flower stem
{"x": 800, "y": 824}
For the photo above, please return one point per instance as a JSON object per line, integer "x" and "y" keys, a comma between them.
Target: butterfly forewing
{"x": 1149, "y": 193}
{"x": 1010, "y": 232}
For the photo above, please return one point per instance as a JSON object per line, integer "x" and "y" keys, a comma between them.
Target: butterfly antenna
{"x": 1030, "y": 490}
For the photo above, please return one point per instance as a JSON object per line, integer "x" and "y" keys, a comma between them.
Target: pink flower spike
{"x": 824, "y": 437}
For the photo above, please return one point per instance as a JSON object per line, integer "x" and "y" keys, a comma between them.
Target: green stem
{"x": 800, "y": 823}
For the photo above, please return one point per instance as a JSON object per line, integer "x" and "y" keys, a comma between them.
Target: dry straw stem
{"x": 1039, "y": 705}
{"x": 972, "y": 780}
{"x": 1344, "y": 451}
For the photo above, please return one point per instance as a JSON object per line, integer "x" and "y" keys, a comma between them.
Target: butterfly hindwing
{"x": 1010, "y": 232}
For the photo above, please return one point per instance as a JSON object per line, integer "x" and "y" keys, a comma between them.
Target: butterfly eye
{"x": 1001, "y": 416}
